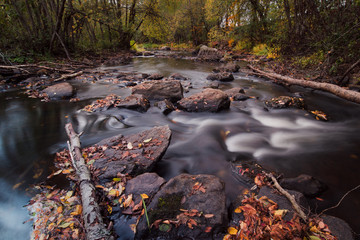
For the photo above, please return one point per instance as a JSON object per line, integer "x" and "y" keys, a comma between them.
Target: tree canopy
{"x": 320, "y": 27}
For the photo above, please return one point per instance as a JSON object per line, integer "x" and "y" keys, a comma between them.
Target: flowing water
{"x": 288, "y": 141}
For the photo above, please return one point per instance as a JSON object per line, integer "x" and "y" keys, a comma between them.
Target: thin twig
{"x": 338, "y": 204}
{"x": 291, "y": 198}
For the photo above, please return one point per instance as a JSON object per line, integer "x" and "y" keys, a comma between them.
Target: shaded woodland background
{"x": 323, "y": 32}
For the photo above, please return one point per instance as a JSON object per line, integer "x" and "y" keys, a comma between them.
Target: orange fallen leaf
{"x": 232, "y": 231}
{"x": 209, "y": 215}
{"x": 208, "y": 229}
{"x": 59, "y": 209}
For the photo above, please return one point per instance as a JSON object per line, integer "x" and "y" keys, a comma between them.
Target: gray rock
{"x": 307, "y": 185}
{"x": 338, "y": 227}
{"x": 59, "y": 91}
{"x": 283, "y": 202}
{"x": 209, "y": 54}
{"x": 230, "y": 67}
{"x": 135, "y": 102}
{"x": 165, "y": 106}
{"x": 209, "y": 100}
{"x": 155, "y": 76}
{"x": 223, "y": 77}
{"x": 285, "y": 102}
{"x": 181, "y": 193}
{"x": 148, "y": 183}
{"x": 160, "y": 90}
{"x": 233, "y": 91}
{"x": 178, "y": 76}
{"x": 130, "y": 154}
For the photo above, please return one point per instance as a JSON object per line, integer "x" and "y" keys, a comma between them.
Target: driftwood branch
{"x": 94, "y": 226}
{"x": 343, "y": 197}
{"x": 291, "y": 198}
{"x": 66, "y": 76}
{"x": 22, "y": 67}
{"x": 328, "y": 87}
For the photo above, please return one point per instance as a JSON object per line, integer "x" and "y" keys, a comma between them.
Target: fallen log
{"x": 66, "y": 76}
{"x": 22, "y": 68}
{"x": 327, "y": 87}
{"x": 94, "y": 226}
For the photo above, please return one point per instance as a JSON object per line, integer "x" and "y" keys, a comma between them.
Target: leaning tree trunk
{"x": 328, "y": 87}
{"x": 94, "y": 226}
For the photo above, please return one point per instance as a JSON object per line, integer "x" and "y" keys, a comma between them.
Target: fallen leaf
{"x": 238, "y": 210}
{"x": 232, "y": 231}
{"x": 144, "y": 196}
{"x": 280, "y": 213}
{"x": 59, "y": 209}
{"x": 64, "y": 225}
{"x": 128, "y": 201}
{"x": 114, "y": 193}
{"x": 68, "y": 194}
{"x": 18, "y": 185}
{"x": 227, "y": 237}
{"x": 130, "y": 146}
{"x": 147, "y": 140}
{"x": 116, "y": 179}
{"x": 209, "y": 215}
{"x": 208, "y": 229}
{"x": 78, "y": 210}
{"x": 321, "y": 225}
{"x": 109, "y": 208}
{"x": 91, "y": 162}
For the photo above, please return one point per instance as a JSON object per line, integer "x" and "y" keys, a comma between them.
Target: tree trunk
{"x": 328, "y": 87}
{"x": 94, "y": 226}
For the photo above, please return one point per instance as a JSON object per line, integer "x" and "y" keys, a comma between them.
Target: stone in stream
{"x": 177, "y": 76}
{"x": 209, "y": 54}
{"x": 285, "y": 102}
{"x": 338, "y": 227}
{"x": 231, "y": 68}
{"x": 134, "y": 154}
{"x": 135, "y": 102}
{"x": 148, "y": 183}
{"x": 209, "y": 100}
{"x": 165, "y": 106}
{"x": 237, "y": 94}
{"x": 160, "y": 90}
{"x": 222, "y": 77}
{"x": 204, "y": 194}
{"x": 59, "y": 91}
{"x": 283, "y": 202}
{"x": 307, "y": 185}
{"x": 155, "y": 76}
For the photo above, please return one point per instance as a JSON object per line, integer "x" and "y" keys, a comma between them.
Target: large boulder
{"x": 59, "y": 91}
{"x": 186, "y": 207}
{"x": 307, "y": 185}
{"x": 223, "y": 77}
{"x": 209, "y": 54}
{"x": 134, "y": 154}
{"x": 285, "y": 102}
{"x": 209, "y": 100}
{"x": 160, "y": 90}
{"x": 135, "y": 102}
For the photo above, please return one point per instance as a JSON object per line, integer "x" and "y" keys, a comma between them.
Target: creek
{"x": 288, "y": 141}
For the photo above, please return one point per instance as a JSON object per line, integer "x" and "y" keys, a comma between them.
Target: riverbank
{"x": 138, "y": 79}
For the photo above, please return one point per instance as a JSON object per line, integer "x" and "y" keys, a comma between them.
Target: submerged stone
{"x": 59, "y": 91}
